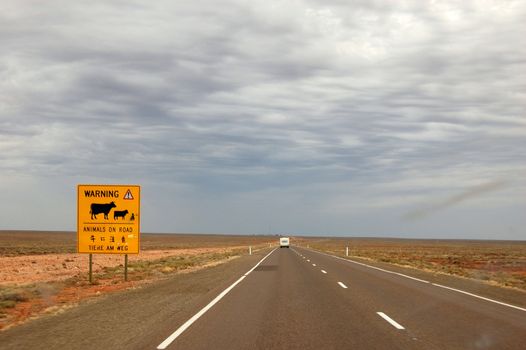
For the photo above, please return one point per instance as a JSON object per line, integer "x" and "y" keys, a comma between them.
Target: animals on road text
{"x": 97, "y": 208}
{"x": 120, "y": 214}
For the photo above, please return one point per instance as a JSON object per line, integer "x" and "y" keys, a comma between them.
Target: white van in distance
{"x": 284, "y": 242}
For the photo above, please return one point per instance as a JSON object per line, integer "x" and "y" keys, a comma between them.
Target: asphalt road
{"x": 301, "y": 299}
{"x": 294, "y": 299}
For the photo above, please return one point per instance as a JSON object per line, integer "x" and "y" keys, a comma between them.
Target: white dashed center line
{"x": 342, "y": 285}
{"x": 323, "y": 271}
{"x": 313, "y": 264}
{"x": 390, "y": 320}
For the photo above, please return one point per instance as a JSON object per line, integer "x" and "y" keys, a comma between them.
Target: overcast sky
{"x": 362, "y": 118}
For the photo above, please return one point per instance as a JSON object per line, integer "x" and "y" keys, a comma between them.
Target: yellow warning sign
{"x": 108, "y": 219}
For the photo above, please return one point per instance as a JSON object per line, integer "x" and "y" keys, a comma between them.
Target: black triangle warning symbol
{"x": 128, "y": 195}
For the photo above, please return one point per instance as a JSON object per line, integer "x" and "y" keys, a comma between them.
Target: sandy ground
{"x": 40, "y": 273}
{"x": 58, "y": 267}
{"x": 43, "y": 270}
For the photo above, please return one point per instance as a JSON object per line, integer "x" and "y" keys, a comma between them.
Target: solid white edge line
{"x": 479, "y": 296}
{"x": 342, "y": 285}
{"x": 194, "y": 318}
{"x": 323, "y": 271}
{"x": 424, "y": 281}
{"x": 390, "y": 320}
{"x": 373, "y": 267}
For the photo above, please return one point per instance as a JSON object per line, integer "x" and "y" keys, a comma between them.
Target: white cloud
{"x": 360, "y": 105}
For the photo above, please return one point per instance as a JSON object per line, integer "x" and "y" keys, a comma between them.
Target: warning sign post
{"x": 108, "y": 219}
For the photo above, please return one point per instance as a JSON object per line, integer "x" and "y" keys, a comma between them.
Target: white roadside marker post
{"x": 346, "y": 251}
{"x": 250, "y": 250}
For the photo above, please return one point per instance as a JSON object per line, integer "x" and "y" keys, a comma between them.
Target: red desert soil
{"x": 44, "y": 273}
{"x": 59, "y": 267}
{"x": 41, "y": 273}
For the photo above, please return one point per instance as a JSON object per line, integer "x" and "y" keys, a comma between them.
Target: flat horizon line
{"x": 306, "y": 236}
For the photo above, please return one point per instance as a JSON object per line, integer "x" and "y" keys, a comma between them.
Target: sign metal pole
{"x": 90, "y": 269}
{"x": 126, "y": 267}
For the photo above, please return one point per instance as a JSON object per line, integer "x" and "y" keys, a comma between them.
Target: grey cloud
{"x": 242, "y": 100}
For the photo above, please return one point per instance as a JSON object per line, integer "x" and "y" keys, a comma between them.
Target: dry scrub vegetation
{"x": 16, "y": 243}
{"x": 501, "y": 263}
{"x": 41, "y": 273}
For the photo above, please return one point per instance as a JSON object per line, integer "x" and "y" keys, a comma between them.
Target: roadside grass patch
{"x": 142, "y": 269}
{"x": 11, "y": 296}
{"x": 501, "y": 263}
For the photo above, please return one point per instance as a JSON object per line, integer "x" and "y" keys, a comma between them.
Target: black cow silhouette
{"x": 97, "y": 208}
{"x": 120, "y": 214}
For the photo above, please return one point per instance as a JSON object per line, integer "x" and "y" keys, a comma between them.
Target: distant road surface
{"x": 292, "y": 299}
{"x": 300, "y": 299}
